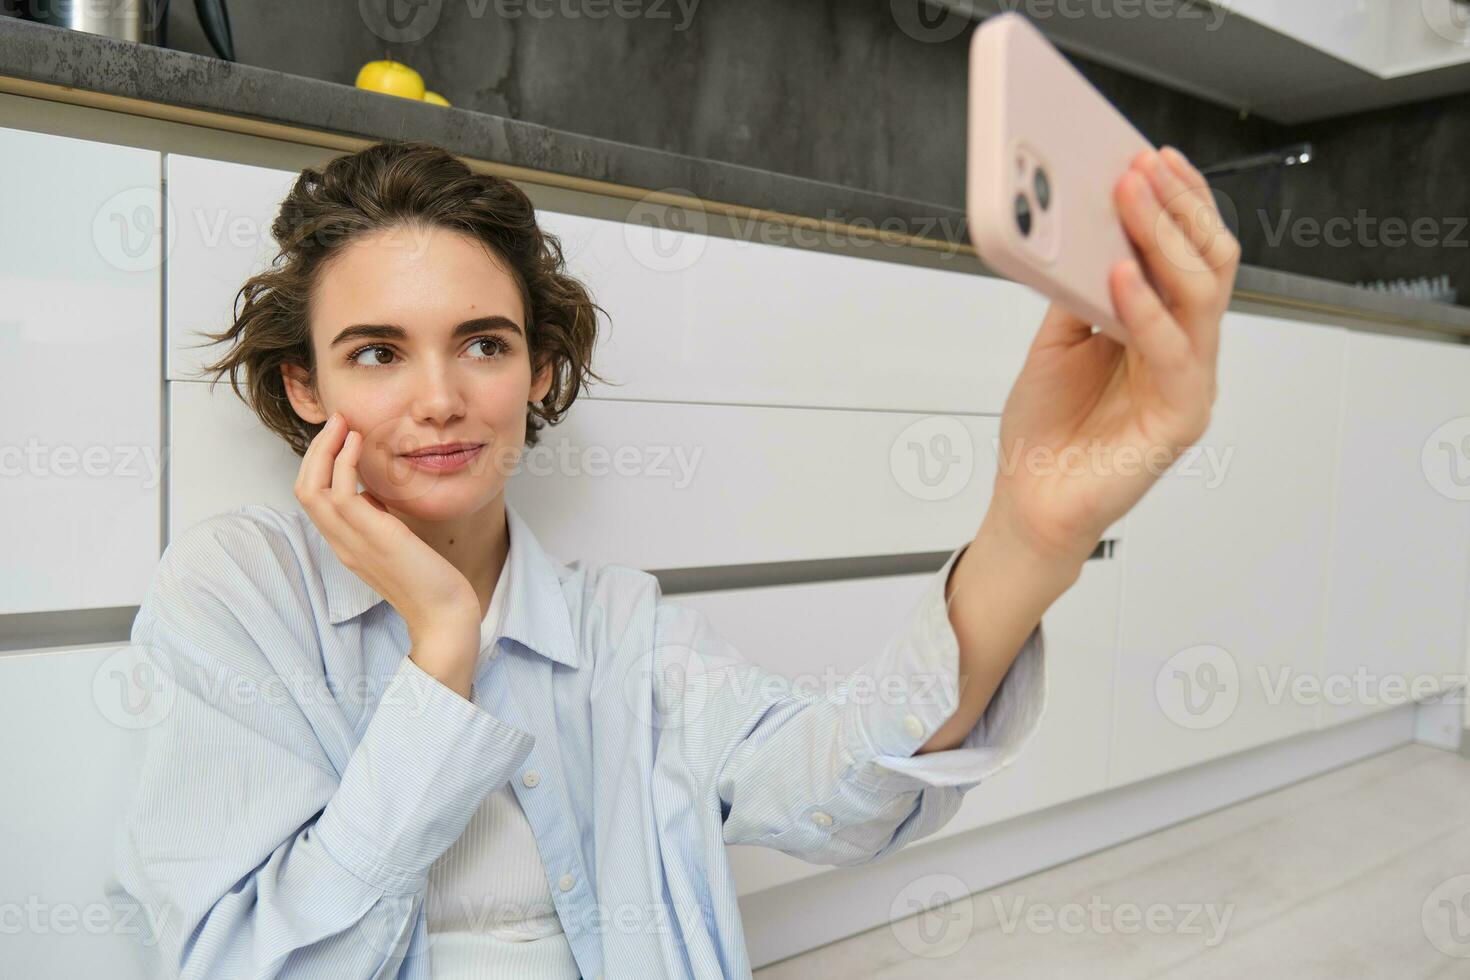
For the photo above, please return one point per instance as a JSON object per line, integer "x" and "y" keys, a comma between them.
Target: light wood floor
{"x": 1351, "y": 874}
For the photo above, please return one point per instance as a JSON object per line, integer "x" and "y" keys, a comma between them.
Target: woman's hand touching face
{"x": 1109, "y": 420}
{"x": 425, "y": 588}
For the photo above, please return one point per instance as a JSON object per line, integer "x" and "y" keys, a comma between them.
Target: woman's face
{"x": 419, "y": 338}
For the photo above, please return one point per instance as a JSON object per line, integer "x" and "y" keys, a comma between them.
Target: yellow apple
{"x": 435, "y": 98}
{"x": 391, "y": 78}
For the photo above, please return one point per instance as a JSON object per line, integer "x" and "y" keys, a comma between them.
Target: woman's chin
{"x": 438, "y": 499}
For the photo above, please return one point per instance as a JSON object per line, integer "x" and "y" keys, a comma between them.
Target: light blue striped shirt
{"x": 305, "y": 773}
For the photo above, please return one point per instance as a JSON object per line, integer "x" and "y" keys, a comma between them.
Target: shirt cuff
{"x": 426, "y": 761}
{"x": 897, "y": 703}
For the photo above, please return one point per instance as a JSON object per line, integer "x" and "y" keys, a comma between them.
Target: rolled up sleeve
{"x": 922, "y": 664}
{"x": 832, "y": 777}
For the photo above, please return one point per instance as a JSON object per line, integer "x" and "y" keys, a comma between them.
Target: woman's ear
{"x": 541, "y": 383}
{"x": 302, "y": 394}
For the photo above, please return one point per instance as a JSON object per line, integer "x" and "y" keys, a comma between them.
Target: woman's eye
{"x": 494, "y": 344}
{"x": 382, "y": 355}
{"x": 370, "y": 349}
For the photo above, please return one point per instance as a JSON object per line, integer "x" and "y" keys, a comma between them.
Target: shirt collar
{"x": 535, "y": 613}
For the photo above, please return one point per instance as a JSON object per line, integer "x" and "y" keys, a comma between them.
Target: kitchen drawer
{"x": 738, "y": 321}
{"x": 626, "y": 482}
{"x": 657, "y": 485}
{"x": 720, "y": 484}
{"x": 733, "y": 321}
{"x": 80, "y": 446}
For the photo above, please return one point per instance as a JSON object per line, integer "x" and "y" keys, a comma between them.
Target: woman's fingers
{"x": 316, "y": 464}
{"x": 1189, "y": 206}
{"x": 1193, "y": 207}
{"x": 350, "y": 505}
{"x": 1207, "y": 229}
{"x": 344, "y": 472}
{"x": 1172, "y": 262}
{"x": 1160, "y": 341}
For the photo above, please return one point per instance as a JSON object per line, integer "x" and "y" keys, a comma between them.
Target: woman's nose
{"x": 437, "y": 396}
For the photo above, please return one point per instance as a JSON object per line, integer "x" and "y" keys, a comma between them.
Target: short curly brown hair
{"x": 384, "y": 185}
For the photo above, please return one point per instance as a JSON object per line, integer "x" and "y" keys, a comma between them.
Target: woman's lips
{"x": 445, "y": 462}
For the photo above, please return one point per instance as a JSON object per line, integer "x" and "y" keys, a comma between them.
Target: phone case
{"x": 1029, "y": 109}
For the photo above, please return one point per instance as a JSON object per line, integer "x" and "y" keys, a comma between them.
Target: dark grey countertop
{"x": 40, "y": 53}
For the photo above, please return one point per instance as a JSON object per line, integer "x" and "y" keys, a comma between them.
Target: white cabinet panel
{"x": 727, "y": 320}
{"x": 656, "y": 485}
{"x": 80, "y": 453}
{"x": 222, "y": 456}
{"x": 74, "y": 723}
{"x": 1225, "y": 561}
{"x": 739, "y": 321}
{"x": 816, "y": 631}
{"x": 1401, "y": 547}
{"x": 221, "y": 215}
{"x": 752, "y": 484}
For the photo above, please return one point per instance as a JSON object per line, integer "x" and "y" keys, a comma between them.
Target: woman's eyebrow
{"x": 392, "y": 331}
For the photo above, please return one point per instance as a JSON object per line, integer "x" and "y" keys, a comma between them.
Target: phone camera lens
{"x": 1023, "y": 214}
{"x": 1043, "y": 189}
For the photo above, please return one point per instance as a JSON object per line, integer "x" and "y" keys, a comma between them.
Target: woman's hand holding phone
{"x": 436, "y": 601}
{"x": 1122, "y": 414}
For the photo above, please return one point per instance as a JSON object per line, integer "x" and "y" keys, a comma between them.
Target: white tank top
{"x": 489, "y": 910}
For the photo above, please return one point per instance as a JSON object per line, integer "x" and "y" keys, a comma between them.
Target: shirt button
{"x": 530, "y": 778}
{"x": 822, "y": 819}
{"x": 566, "y": 883}
{"x": 913, "y": 726}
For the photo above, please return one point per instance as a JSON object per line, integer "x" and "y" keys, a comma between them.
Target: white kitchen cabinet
{"x": 222, "y": 456}
{"x": 80, "y": 450}
{"x": 626, "y": 482}
{"x": 703, "y": 318}
{"x": 657, "y": 485}
{"x": 691, "y": 316}
{"x": 802, "y": 631}
{"x": 220, "y": 236}
{"x": 1225, "y": 560}
{"x": 75, "y": 724}
{"x": 1396, "y": 619}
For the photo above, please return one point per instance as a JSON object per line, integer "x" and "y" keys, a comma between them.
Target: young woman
{"x": 402, "y": 740}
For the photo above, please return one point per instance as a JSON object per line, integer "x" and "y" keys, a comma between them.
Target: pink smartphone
{"x": 1045, "y": 150}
